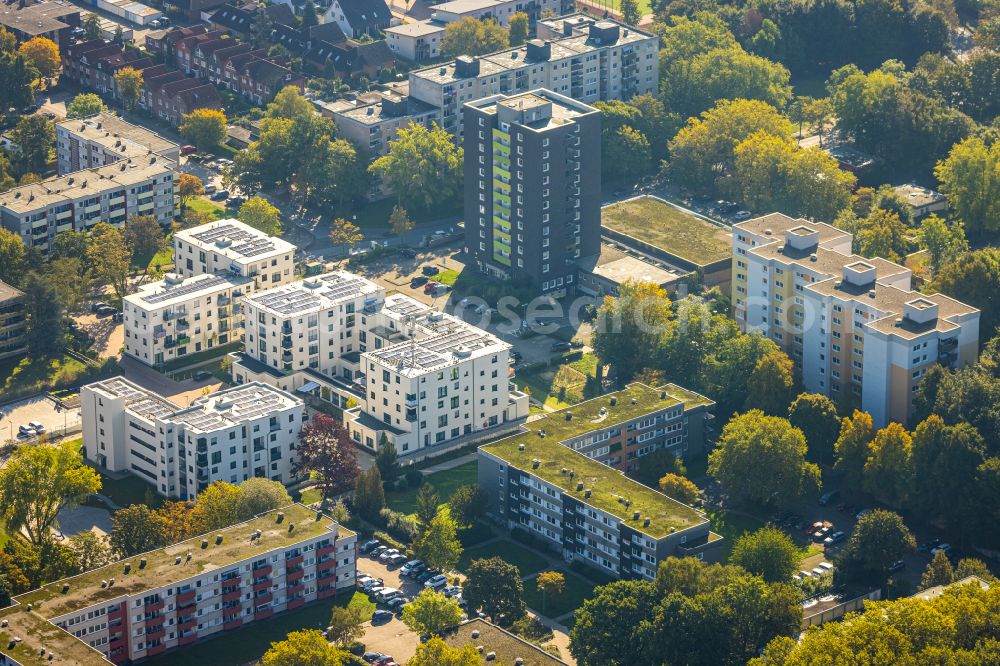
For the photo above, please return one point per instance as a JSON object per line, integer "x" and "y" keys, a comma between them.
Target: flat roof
{"x": 506, "y": 647}
{"x": 234, "y": 405}
{"x": 137, "y": 399}
{"x": 86, "y": 182}
{"x": 235, "y": 240}
{"x": 779, "y": 223}
{"x": 606, "y": 484}
{"x": 117, "y": 136}
{"x": 36, "y": 631}
{"x": 416, "y": 28}
{"x": 36, "y": 19}
{"x": 172, "y": 291}
{"x": 517, "y": 57}
{"x": 917, "y": 195}
{"x": 626, "y": 268}
{"x": 555, "y": 109}
{"x": 463, "y": 6}
{"x": 313, "y": 293}
{"x": 667, "y": 227}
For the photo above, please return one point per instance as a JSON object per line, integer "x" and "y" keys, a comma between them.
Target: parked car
{"x": 370, "y": 657}
{"x": 201, "y": 375}
{"x": 386, "y": 554}
{"x": 381, "y": 616}
{"x": 742, "y": 215}
{"x": 97, "y": 306}
{"x": 210, "y": 189}
{"x": 452, "y": 591}
{"x": 898, "y": 565}
{"x": 861, "y": 514}
{"x": 385, "y": 594}
{"x": 25, "y": 431}
{"x": 425, "y": 575}
{"x": 429, "y": 286}
{"x": 828, "y": 497}
{"x": 397, "y": 559}
{"x": 411, "y": 567}
{"x": 221, "y": 195}
{"x": 36, "y": 426}
{"x": 369, "y": 545}
{"x": 430, "y": 270}
{"x": 396, "y": 604}
{"x": 943, "y": 548}
{"x": 834, "y": 538}
{"x": 516, "y": 356}
{"x": 418, "y": 281}
{"x": 378, "y": 550}
{"x": 408, "y": 252}
{"x": 928, "y": 545}
{"x": 236, "y": 201}
{"x": 187, "y": 149}
{"x": 384, "y": 660}
{"x": 560, "y": 346}
{"x": 436, "y": 582}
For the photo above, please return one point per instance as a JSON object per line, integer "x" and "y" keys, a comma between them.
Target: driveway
{"x": 83, "y": 518}
{"x": 109, "y": 337}
{"x": 392, "y": 638}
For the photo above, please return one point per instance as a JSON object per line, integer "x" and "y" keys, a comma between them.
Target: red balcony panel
{"x": 231, "y": 585}
{"x": 232, "y": 596}
{"x": 265, "y": 585}
{"x": 294, "y": 589}
{"x": 296, "y": 603}
{"x": 187, "y": 623}
{"x": 326, "y": 594}
{"x": 264, "y": 599}
{"x": 294, "y": 576}
{"x": 120, "y": 658}
{"x": 159, "y": 632}
{"x": 326, "y": 550}
{"x": 294, "y": 561}
{"x": 326, "y": 566}
{"x": 116, "y": 612}
{"x": 117, "y": 644}
{"x": 186, "y": 597}
{"x": 264, "y": 614}
{"x": 159, "y": 649}
{"x": 187, "y": 640}
{"x": 153, "y": 607}
{"x": 232, "y": 624}
{"x": 261, "y": 571}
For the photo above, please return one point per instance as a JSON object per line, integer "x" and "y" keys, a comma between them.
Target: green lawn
{"x": 248, "y": 645}
{"x": 527, "y": 561}
{"x": 447, "y": 276}
{"x": 31, "y": 375}
{"x": 444, "y": 483}
{"x": 732, "y": 526}
{"x": 670, "y": 229}
{"x": 558, "y": 386}
{"x": 376, "y": 214}
{"x": 201, "y": 357}
{"x": 310, "y": 495}
{"x": 201, "y": 205}
{"x": 164, "y": 259}
{"x": 615, "y": 5}
{"x": 577, "y": 591}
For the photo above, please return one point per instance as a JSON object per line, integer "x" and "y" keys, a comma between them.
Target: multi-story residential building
{"x": 549, "y": 479}
{"x": 531, "y": 211}
{"x": 198, "y": 308}
{"x": 52, "y": 19}
{"x": 193, "y": 590}
{"x": 239, "y": 433}
{"x": 103, "y": 139}
{"x": 854, "y": 326}
{"x": 13, "y": 325}
{"x": 398, "y": 368}
{"x": 593, "y": 61}
{"x": 371, "y": 121}
{"x": 176, "y": 316}
{"x": 229, "y": 246}
{"x": 421, "y": 40}
{"x": 79, "y": 200}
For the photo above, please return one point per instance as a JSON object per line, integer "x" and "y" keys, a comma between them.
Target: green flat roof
{"x": 605, "y": 483}
{"x": 85, "y": 590}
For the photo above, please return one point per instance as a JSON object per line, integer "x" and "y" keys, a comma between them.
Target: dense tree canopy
{"x": 423, "y": 166}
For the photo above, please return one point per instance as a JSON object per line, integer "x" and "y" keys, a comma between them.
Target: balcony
{"x": 153, "y": 607}
{"x": 263, "y": 599}
{"x": 295, "y": 589}
{"x": 188, "y": 639}
{"x": 294, "y": 561}
{"x": 263, "y": 585}
{"x": 231, "y": 596}
{"x": 293, "y": 576}
{"x": 183, "y": 324}
{"x": 223, "y": 300}
{"x": 322, "y": 551}
{"x": 231, "y": 623}
{"x": 185, "y": 597}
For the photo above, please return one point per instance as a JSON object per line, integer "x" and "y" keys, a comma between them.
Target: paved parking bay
{"x": 41, "y": 409}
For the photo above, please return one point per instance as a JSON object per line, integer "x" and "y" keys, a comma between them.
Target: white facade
{"x": 231, "y": 435}
{"x": 396, "y": 366}
{"x": 229, "y": 246}
{"x": 85, "y": 143}
{"x": 79, "y": 200}
{"x": 854, "y": 326}
{"x": 176, "y": 316}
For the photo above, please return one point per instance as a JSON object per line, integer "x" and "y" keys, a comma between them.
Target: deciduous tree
{"x": 346, "y": 625}
{"x": 326, "y": 448}
{"x": 436, "y": 652}
{"x": 44, "y": 314}
{"x": 85, "y": 105}
{"x": 387, "y": 460}
{"x": 852, "y": 447}
{"x": 423, "y": 165}
{"x": 205, "y": 128}
{"x": 472, "y": 37}
{"x": 92, "y": 549}
{"x": 145, "y": 236}
{"x": 768, "y": 553}
{"x": 631, "y": 326}
{"x": 888, "y": 471}
{"x": 816, "y": 416}
{"x": 36, "y": 137}
{"x": 369, "y": 495}
{"x": 762, "y": 458}
{"x": 427, "y": 502}
{"x": 135, "y": 529}
{"x": 43, "y": 54}
{"x": 938, "y": 572}
{"x": 129, "y": 82}
{"x": 289, "y": 103}
{"x": 630, "y": 12}
{"x": 346, "y": 233}
{"x": 551, "y": 584}
{"x": 439, "y": 546}
{"x": 303, "y": 648}
{"x": 944, "y": 243}
{"x": 399, "y": 221}
{"x": 261, "y": 214}
{"x": 879, "y": 539}
{"x": 430, "y": 612}
{"x": 188, "y": 187}
{"x": 679, "y": 488}
{"x": 495, "y": 586}
{"x": 11, "y": 257}
{"x": 771, "y": 384}
{"x": 110, "y": 256}
{"x": 518, "y": 28}
{"x": 467, "y": 504}
{"x": 974, "y": 278}
{"x": 970, "y": 178}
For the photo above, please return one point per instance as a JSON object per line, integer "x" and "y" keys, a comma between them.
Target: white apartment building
{"x": 588, "y": 61}
{"x": 79, "y": 200}
{"x": 198, "y": 308}
{"x": 169, "y": 598}
{"x": 339, "y": 337}
{"x": 176, "y": 316}
{"x": 229, "y": 246}
{"x": 84, "y": 143}
{"x": 231, "y": 435}
{"x": 855, "y": 327}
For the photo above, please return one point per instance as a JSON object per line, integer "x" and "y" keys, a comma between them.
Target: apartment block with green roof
{"x": 562, "y": 478}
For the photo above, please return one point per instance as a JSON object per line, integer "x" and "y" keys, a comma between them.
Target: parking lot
{"x": 41, "y": 409}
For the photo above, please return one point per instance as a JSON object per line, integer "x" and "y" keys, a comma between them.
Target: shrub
{"x": 388, "y": 540}
{"x": 414, "y": 478}
{"x": 400, "y": 525}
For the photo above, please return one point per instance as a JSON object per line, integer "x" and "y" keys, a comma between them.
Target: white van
{"x": 386, "y": 594}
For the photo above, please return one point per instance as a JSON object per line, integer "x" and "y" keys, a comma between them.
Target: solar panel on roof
{"x": 184, "y": 289}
